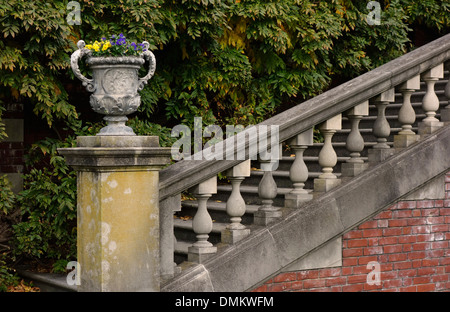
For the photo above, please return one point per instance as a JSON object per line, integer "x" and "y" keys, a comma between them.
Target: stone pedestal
{"x": 232, "y": 236}
{"x": 267, "y": 191}
{"x": 298, "y": 172}
{"x": 325, "y": 185}
{"x": 405, "y": 140}
{"x": 376, "y": 156}
{"x": 327, "y": 156}
{"x": 236, "y": 207}
{"x": 355, "y": 142}
{"x": 349, "y": 169}
{"x": 118, "y": 211}
{"x": 202, "y": 223}
{"x": 407, "y": 115}
{"x": 428, "y": 127}
{"x": 430, "y": 102}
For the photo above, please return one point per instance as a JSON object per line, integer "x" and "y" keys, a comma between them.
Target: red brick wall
{"x": 410, "y": 240}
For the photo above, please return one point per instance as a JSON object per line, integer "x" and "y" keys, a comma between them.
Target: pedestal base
{"x": 353, "y": 169}
{"x": 324, "y": 185}
{"x": 292, "y": 200}
{"x": 263, "y": 217}
{"x": 428, "y": 127}
{"x": 405, "y": 140}
{"x": 233, "y": 236}
{"x": 200, "y": 254}
{"x": 118, "y": 241}
{"x": 379, "y": 155}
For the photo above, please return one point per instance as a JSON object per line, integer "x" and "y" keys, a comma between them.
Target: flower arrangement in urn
{"x": 115, "y": 83}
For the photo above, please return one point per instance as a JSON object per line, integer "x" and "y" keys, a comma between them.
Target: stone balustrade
{"x": 327, "y": 179}
{"x": 325, "y": 113}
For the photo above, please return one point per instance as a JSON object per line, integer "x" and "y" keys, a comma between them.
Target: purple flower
{"x": 133, "y": 45}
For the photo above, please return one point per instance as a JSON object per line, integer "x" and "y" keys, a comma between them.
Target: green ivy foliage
{"x": 227, "y": 61}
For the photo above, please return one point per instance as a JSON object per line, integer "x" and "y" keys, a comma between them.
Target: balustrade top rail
{"x": 187, "y": 173}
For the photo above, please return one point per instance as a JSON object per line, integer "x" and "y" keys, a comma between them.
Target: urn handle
{"x": 77, "y": 55}
{"x": 150, "y": 57}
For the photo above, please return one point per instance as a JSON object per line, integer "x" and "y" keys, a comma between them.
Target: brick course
{"x": 410, "y": 240}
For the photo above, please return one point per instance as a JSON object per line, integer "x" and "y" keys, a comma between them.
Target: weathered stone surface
{"x": 329, "y": 255}
{"x": 208, "y": 186}
{"x": 435, "y": 189}
{"x": 118, "y": 231}
{"x": 325, "y": 185}
{"x": 296, "y": 200}
{"x": 167, "y": 208}
{"x": 195, "y": 278}
{"x": 379, "y": 155}
{"x": 353, "y": 169}
{"x": 116, "y": 151}
{"x": 245, "y": 261}
{"x": 405, "y": 140}
{"x": 232, "y": 236}
{"x": 118, "y": 141}
{"x": 241, "y": 170}
{"x": 323, "y": 219}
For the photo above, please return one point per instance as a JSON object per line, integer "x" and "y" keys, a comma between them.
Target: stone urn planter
{"x": 115, "y": 85}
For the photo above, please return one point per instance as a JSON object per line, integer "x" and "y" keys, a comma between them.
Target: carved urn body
{"x": 115, "y": 85}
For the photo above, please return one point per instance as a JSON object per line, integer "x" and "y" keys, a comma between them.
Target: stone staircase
{"x": 362, "y": 164}
{"x": 249, "y": 187}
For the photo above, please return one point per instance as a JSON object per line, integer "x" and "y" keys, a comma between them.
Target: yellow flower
{"x": 95, "y": 46}
{"x": 89, "y": 46}
{"x": 106, "y": 45}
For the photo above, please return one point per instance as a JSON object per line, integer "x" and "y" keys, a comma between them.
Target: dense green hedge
{"x": 229, "y": 62}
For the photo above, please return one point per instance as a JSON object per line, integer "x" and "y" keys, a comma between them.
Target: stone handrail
{"x": 188, "y": 173}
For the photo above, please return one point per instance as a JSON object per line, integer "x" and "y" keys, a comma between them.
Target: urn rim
{"x": 115, "y": 60}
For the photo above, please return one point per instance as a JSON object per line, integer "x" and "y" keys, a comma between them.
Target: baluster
{"x": 445, "y": 112}
{"x": 381, "y": 129}
{"x": 236, "y": 231}
{"x": 202, "y": 222}
{"x": 407, "y": 115}
{"x": 327, "y": 156}
{"x": 355, "y": 142}
{"x": 267, "y": 191}
{"x": 430, "y": 102}
{"x": 298, "y": 172}
{"x": 167, "y": 240}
